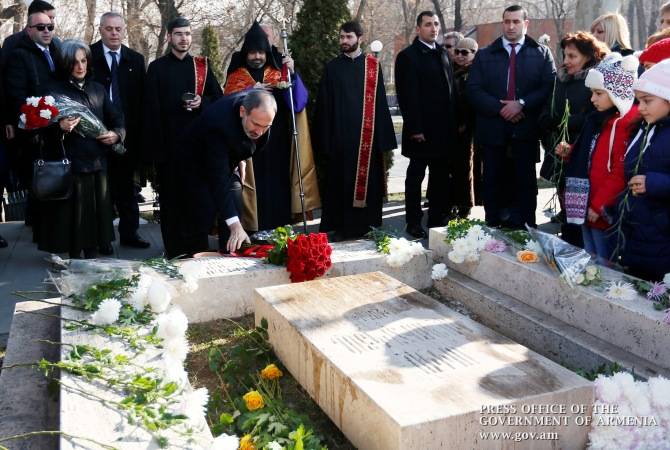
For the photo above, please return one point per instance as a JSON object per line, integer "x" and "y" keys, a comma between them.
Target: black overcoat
{"x": 425, "y": 89}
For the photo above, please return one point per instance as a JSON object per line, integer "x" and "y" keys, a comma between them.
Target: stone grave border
{"x": 633, "y": 326}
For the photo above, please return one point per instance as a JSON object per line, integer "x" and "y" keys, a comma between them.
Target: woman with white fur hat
{"x": 646, "y": 212}
{"x": 595, "y": 172}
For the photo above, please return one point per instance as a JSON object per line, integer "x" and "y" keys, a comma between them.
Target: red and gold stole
{"x": 240, "y": 79}
{"x": 367, "y": 131}
{"x": 200, "y": 66}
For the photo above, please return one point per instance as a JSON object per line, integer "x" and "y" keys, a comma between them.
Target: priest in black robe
{"x": 352, "y": 199}
{"x": 268, "y": 186}
{"x": 178, "y": 88}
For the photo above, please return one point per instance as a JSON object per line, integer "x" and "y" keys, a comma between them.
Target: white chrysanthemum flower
{"x": 472, "y": 256}
{"x": 639, "y": 400}
{"x": 33, "y": 101}
{"x": 107, "y": 313}
{"x": 416, "y": 248}
{"x": 159, "y": 295}
{"x": 621, "y": 290}
{"x": 591, "y": 272}
{"x": 456, "y": 257}
{"x": 625, "y": 381}
{"x": 660, "y": 389}
{"x": 439, "y": 271}
{"x": 666, "y": 279}
{"x": 173, "y": 371}
{"x": 401, "y": 251}
{"x": 172, "y": 325}
{"x": 274, "y": 445}
{"x": 191, "y": 271}
{"x": 23, "y": 118}
{"x": 49, "y": 100}
{"x": 607, "y": 389}
{"x": 470, "y": 245}
{"x": 579, "y": 278}
{"x": 194, "y": 404}
{"x": 534, "y": 246}
{"x": 45, "y": 114}
{"x": 175, "y": 349}
{"x": 460, "y": 245}
{"x": 139, "y": 298}
{"x": 226, "y": 442}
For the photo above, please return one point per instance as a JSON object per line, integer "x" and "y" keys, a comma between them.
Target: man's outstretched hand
{"x": 237, "y": 237}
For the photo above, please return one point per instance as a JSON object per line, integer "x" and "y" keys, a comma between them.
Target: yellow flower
{"x": 247, "y": 442}
{"x": 253, "y": 400}
{"x": 271, "y": 372}
{"x": 527, "y": 256}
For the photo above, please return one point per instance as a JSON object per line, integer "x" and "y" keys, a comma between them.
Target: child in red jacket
{"x": 594, "y": 174}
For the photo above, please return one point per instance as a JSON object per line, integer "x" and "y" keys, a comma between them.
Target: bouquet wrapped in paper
{"x": 570, "y": 261}
{"x": 74, "y": 276}
{"x": 89, "y": 126}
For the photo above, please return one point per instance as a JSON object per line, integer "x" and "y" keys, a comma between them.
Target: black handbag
{"x": 52, "y": 180}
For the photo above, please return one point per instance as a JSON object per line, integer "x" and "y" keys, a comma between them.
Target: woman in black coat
{"x": 464, "y": 164}
{"x": 82, "y": 223}
{"x": 581, "y": 52}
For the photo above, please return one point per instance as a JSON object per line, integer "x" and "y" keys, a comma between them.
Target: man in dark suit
{"x": 12, "y": 41}
{"x": 507, "y": 108}
{"x": 424, "y": 84}
{"x": 31, "y": 68}
{"x": 121, "y": 71}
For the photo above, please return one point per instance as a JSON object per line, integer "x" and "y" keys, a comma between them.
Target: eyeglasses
{"x": 462, "y": 52}
{"x": 42, "y": 27}
{"x": 448, "y": 46}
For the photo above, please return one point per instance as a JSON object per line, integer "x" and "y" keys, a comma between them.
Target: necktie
{"x": 47, "y": 55}
{"x": 511, "y": 79}
{"x": 114, "y": 88}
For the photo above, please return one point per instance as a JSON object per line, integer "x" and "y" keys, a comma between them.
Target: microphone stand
{"x": 284, "y": 37}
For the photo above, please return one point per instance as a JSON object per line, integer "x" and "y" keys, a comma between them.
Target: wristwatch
{"x": 522, "y": 102}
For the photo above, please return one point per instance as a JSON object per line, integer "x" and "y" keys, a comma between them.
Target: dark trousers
{"x": 437, "y": 186}
{"x": 510, "y": 184}
{"x": 168, "y": 191}
{"x": 122, "y": 189}
{"x": 195, "y": 238}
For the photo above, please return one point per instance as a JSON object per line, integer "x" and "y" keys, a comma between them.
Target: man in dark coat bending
{"x": 228, "y": 132}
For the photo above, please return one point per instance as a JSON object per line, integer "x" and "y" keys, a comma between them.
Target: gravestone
{"x": 395, "y": 369}
{"x": 632, "y": 325}
{"x": 84, "y": 411}
{"x": 226, "y": 285}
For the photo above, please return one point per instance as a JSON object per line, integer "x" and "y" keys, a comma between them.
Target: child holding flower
{"x": 595, "y": 172}
{"x": 646, "y": 214}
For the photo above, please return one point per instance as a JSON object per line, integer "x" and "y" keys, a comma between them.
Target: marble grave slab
{"x": 395, "y": 369}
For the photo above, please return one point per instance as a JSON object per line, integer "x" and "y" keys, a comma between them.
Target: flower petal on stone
{"x": 227, "y": 442}
{"x": 107, "y": 313}
{"x": 439, "y": 271}
{"x": 172, "y": 325}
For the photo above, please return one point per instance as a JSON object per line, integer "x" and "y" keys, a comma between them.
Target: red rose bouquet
{"x": 308, "y": 256}
{"x": 37, "y": 112}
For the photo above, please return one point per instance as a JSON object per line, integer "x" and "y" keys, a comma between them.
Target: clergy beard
{"x": 348, "y": 48}
{"x": 255, "y": 63}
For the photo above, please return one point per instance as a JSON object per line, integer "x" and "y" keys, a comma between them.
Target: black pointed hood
{"x": 256, "y": 39}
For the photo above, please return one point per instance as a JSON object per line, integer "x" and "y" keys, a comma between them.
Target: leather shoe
{"x": 3, "y": 242}
{"x": 136, "y": 242}
{"x": 106, "y": 250}
{"x": 416, "y": 231}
